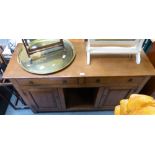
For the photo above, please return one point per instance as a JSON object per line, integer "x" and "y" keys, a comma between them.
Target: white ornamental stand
{"x": 114, "y": 46}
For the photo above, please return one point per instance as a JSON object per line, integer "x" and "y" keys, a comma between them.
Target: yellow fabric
{"x": 137, "y": 104}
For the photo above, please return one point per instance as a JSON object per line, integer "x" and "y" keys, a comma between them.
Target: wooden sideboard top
{"x": 103, "y": 66}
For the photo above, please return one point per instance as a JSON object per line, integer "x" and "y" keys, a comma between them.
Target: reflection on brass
{"x": 49, "y": 60}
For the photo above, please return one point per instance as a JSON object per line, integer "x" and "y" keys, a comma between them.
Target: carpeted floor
{"x": 11, "y": 111}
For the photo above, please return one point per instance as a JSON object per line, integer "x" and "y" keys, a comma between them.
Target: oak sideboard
{"x": 98, "y": 86}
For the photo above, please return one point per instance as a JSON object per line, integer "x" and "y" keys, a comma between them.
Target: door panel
{"x": 110, "y": 97}
{"x": 46, "y": 99}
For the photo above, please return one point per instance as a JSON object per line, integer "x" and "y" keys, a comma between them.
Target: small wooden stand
{"x": 114, "y": 46}
{"x": 40, "y": 49}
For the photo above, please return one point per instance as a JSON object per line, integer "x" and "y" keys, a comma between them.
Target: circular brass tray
{"x": 52, "y": 62}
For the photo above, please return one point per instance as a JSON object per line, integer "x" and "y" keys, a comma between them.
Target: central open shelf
{"x": 80, "y": 98}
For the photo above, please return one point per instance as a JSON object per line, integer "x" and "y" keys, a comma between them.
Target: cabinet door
{"x": 45, "y": 99}
{"x": 108, "y": 98}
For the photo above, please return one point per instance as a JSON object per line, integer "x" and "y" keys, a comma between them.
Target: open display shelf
{"x": 80, "y": 98}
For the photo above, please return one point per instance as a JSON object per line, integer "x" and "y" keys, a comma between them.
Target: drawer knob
{"x": 64, "y": 81}
{"x": 130, "y": 80}
{"x": 31, "y": 82}
{"x": 97, "y": 80}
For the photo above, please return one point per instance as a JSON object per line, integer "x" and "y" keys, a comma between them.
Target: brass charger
{"x": 45, "y": 56}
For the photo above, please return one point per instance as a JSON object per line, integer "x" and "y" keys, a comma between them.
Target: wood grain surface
{"x": 101, "y": 66}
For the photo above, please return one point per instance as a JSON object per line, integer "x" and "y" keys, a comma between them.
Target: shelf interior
{"x": 80, "y": 97}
